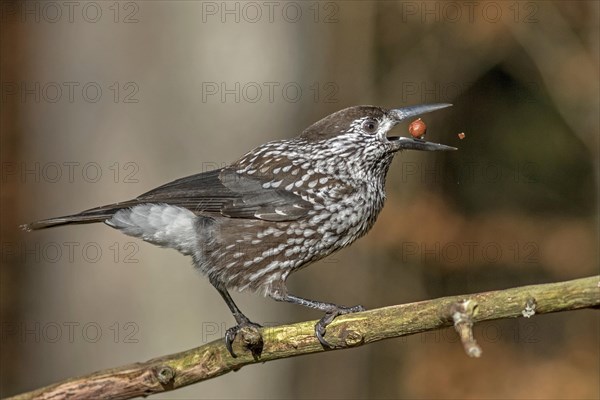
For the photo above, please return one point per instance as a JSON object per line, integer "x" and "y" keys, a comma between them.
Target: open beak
{"x": 409, "y": 143}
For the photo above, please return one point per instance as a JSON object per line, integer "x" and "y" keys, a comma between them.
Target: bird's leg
{"x": 331, "y": 311}
{"x": 254, "y": 344}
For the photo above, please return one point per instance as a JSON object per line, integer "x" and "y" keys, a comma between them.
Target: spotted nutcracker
{"x": 277, "y": 209}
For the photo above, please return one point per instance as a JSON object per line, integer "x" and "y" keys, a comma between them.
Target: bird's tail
{"x": 66, "y": 220}
{"x": 99, "y": 214}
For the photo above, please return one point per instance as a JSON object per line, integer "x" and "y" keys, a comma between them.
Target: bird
{"x": 280, "y": 207}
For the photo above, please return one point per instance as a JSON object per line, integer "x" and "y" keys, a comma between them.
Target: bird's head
{"x": 368, "y": 126}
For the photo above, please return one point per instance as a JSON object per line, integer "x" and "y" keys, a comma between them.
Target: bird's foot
{"x": 251, "y": 337}
{"x": 320, "y": 327}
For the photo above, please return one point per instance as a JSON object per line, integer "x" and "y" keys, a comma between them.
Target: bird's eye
{"x": 370, "y": 125}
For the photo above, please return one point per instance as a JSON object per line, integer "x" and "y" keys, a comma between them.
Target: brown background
{"x": 518, "y": 204}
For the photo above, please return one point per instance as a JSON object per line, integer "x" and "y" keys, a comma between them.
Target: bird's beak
{"x": 409, "y": 143}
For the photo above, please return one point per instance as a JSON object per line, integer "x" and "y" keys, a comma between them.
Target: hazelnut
{"x": 417, "y": 129}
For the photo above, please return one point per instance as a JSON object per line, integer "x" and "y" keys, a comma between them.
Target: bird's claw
{"x": 320, "y": 327}
{"x": 251, "y": 337}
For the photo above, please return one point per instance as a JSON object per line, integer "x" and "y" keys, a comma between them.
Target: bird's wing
{"x": 223, "y": 191}
{"x": 256, "y": 201}
{"x": 229, "y": 193}
{"x": 203, "y": 192}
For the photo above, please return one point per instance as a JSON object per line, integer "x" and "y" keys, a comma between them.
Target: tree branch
{"x": 211, "y": 360}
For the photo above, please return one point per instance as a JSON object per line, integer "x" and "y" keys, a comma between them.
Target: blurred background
{"x": 102, "y": 101}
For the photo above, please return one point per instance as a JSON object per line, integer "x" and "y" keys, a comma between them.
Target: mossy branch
{"x": 211, "y": 360}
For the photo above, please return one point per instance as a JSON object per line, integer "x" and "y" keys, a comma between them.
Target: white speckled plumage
{"x": 278, "y": 208}
{"x": 340, "y": 176}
